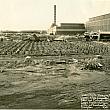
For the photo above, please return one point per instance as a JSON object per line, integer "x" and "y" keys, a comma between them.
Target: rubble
{"x": 54, "y": 48}
{"x": 94, "y": 64}
{"x": 51, "y": 70}
{"x": 29, "y": 61}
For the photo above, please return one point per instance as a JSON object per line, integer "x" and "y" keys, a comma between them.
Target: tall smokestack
{"x": 54, "y": 14}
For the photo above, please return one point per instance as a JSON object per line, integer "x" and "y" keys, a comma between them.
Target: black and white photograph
{"x": 55, "y": 54}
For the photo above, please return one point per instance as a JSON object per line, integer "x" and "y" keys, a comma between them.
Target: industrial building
{"x": 66, "y": 28}
{"x": 99, "y": 23}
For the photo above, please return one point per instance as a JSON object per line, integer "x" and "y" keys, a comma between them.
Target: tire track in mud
{"x": 57, "y": 93}
{"x": 32, "y": 99}
{"x": 68, "y": 96}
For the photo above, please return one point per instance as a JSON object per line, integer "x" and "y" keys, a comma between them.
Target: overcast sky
{"x": 38, "y": 14}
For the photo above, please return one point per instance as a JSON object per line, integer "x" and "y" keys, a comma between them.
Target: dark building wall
{"x": 69, "y": 32}
{"x": 101, "y": 23}
{"x": 70, "y": 28}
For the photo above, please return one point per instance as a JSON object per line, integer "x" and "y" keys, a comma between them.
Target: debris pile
{"x": 54, "y": 48}
{"x": 94, "y": 63}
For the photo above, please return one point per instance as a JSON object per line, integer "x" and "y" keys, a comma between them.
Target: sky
{"x": 38, "y": 14}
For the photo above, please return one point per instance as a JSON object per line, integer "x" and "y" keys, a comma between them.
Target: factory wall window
{"x": 108, "y": 26}
{"x": 109, "y": 21}
{"x": 105, "y": 27}
{"x": 102, "y": 22}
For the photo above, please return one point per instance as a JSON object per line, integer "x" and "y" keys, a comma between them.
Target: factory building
{"x": 67, "y": 29}
{"x": 99, "y": 23}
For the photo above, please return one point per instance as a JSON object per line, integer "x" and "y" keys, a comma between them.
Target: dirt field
{"x": 51, "y": 81}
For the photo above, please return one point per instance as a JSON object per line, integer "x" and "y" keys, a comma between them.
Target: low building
{"x": 99, "y": 23}
{"x": 67, "y": 29}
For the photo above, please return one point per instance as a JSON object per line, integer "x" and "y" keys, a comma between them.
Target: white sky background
{"x": 38, "y": 14}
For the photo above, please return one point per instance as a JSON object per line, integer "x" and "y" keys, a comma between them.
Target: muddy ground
{"x": 50, "y": 82}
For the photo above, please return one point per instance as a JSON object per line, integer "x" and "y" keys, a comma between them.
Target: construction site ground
{"x": 49, "y": 82}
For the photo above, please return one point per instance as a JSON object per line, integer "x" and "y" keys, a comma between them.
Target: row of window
{"x": 99, "y": 22}
{"x": 106, "y": 16}
{"x": 101, "y": 28}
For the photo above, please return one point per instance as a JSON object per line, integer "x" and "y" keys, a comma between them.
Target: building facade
{"x": 99, "y": 23}
{"x": 67, "y": 29}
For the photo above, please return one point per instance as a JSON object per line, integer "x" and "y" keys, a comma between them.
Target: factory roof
{"x": 72, "y": 23}
{"x": 105, "y": 16}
